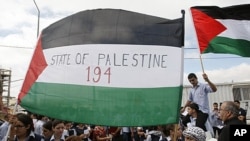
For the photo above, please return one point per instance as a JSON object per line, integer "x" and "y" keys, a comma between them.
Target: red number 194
{"x": 97, "y": 73}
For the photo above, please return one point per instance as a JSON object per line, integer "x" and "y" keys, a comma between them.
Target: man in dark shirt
{"x": 242, "y": 112}
{"x": 229, "y": 115}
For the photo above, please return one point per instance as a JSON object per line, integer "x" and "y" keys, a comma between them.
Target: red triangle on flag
{"x": 206, "y": 28}
{"x": 37, "y": 65}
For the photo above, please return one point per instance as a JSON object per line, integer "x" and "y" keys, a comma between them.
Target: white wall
{"x": 224, "y": 93}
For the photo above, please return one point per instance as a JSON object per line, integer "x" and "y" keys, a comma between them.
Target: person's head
{"x": 192, "y": 78}
{"x": 33, "y": 115}
{"x": 228, "y": 110}
{"x": 194, "y": 134}
{"x": 7, "y": 117}
{"x": 192, "y": 108}
{"x": 47, "y": 129}
{"x": 169, "y": 130}
{"x": 45, "y": 118}
{"x": 150, "y": 128}
{"x": 80, "y": 124}
{"x": 68, "y": 125}
{"x": 166, "y": 129}
{"x": 215, "y": 105}
{"x": 242, "y": 118}
{"x": 23, "y": 125}
{"x": 237, "y": 102}
{"x": 40, "y": 117}
{"x": 58, "y": 127}
{"x": 242, "y": 115}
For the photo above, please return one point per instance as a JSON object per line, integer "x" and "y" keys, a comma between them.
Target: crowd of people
{"x": 197, "y": 123}
{"x": 31, "y": 127}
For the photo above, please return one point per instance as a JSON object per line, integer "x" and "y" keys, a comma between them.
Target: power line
{"x": 216, "y": 58}
{"x": 16, "y": 80}
{"x": 16, "y": 47}
{"x": 21, "y": 47}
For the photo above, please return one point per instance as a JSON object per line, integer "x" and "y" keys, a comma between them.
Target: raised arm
{"x": 211, "y": 84}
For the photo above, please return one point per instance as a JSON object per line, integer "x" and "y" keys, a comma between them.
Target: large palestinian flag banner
{"x": 107, "y": 67}
{"x": 223, "y": 30}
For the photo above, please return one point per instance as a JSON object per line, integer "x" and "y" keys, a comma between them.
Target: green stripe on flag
{"x": 140, "y": 106}
{"x": 229, "y": 46}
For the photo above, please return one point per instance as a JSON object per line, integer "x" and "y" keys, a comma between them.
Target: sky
{"x": 20, "y": 25}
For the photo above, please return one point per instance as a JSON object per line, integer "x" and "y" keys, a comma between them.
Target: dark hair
{"x": 166, "y": 129}
{"x": 237, "y": 101}
{"x": 56, "y": 122}
{"x": 26, "y": 120}
{"x": 194, "y": 106}
{"x": 48, "y": 125}
{"x": 192, "y": 75}
{"x": 151, "y": 128}
{"x": 6, "y": 116}
{"x": 39, "y": 117}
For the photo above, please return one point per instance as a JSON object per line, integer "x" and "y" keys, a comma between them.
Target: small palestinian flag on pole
{"x": 223, "y": 30}
{"x": 107, "y": 67}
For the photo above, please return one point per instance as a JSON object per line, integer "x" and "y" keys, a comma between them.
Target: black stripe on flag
{"x": 113, "y": 26}
{"x": 236, "y": 12}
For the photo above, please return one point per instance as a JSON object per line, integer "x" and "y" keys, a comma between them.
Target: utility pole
{"x": 38, "y": 18}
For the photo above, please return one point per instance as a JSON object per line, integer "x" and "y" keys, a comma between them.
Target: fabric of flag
{"x": 107, "y": 67}
{"x": 223, "y": 30}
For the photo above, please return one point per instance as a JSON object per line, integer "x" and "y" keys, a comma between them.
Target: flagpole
{"x": 8, "y": 131}
{"x": 175, "y": 132}
{"x": 197, "y": 44}
{"x": 202, "y": 64}
{"x": 182, "y": 47}
{"x": 182, "y": 51}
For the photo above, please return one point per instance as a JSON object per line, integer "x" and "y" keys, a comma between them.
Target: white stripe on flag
{"x": 129, "y": 66}
{"x": 236, "y": 29}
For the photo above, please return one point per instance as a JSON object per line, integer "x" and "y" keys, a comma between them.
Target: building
{"x": 227, "y": 92}
{"x": 5, "y": 81}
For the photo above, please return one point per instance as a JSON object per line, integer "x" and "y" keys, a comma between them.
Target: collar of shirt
{"x": 168, "y": 138}
{"x": 198, "y": 84}
{"x": 31, "y": 135}
{"x": 192, "y": 119}
{"x": 53, "y": 138}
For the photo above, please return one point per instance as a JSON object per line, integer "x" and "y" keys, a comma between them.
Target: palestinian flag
{"x": 107, "y": 67}
{"x": 223, "y": 30}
